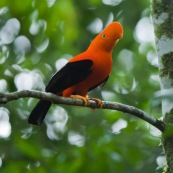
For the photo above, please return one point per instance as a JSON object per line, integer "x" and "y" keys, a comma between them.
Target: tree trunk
{"x": 162, "y": 13}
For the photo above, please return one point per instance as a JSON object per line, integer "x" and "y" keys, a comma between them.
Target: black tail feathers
{"x": 39, "y": 112}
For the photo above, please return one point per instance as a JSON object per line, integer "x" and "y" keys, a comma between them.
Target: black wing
{"x": 71, "y": 74}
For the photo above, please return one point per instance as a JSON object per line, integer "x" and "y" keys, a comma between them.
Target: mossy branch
{"x": 4, "y": 98}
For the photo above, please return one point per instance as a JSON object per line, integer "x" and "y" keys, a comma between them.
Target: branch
{"x": 4, "y": 98}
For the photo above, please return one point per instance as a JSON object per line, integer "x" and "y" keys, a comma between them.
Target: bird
{"x": 82, "y": 73}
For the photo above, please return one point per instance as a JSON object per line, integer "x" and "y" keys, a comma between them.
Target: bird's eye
{"x": 103, "y": 35}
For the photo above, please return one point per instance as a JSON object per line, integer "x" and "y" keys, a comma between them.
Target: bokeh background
{"x": 36, "y": 39}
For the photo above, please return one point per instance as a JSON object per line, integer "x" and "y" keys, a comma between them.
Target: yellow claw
{"x": 98, "y": 101}
{"x": 84, "y": 99}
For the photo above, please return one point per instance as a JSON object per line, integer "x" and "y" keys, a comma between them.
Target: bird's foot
{"x": 98, "y": 101}
{"x": 84, "y": 99}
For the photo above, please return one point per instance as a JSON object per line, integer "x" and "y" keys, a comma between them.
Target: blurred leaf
{"x": 28, "y": 149}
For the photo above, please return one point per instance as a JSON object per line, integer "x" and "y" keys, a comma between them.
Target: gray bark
{"x": 162, "y": 14}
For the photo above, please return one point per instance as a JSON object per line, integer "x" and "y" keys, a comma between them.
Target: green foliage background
{"x": 77, "y": 139}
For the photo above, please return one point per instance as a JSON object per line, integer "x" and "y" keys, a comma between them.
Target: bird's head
{"x": 107, "y": 39}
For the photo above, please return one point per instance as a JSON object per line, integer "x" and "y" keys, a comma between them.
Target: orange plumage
{"x": 83, "y": 72}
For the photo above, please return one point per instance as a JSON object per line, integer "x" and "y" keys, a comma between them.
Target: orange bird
{"x": 83, "y": 72}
